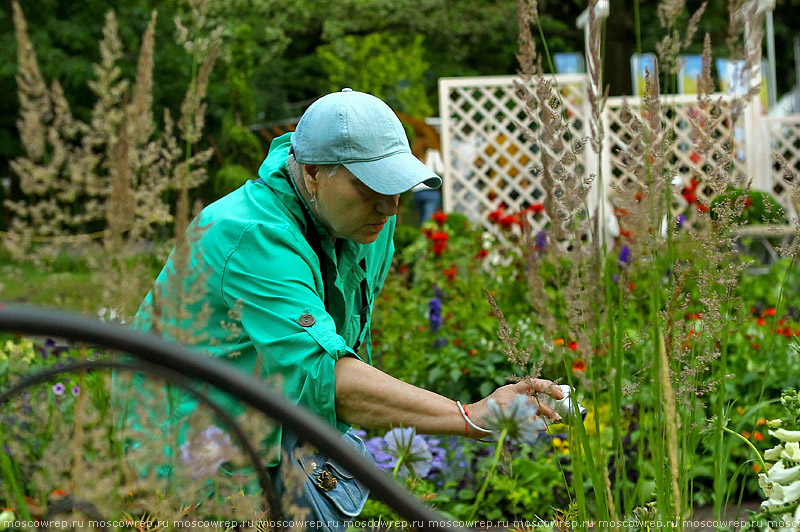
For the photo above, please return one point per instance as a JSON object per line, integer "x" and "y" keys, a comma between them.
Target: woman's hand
{"x": 504, "y": 395}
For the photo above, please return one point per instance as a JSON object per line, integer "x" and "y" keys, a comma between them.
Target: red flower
{"x": 631, "y": 285}
{"x": 754, "y": 346}
{"x": 761, "y": 321}
{"x": 428, "y": 233}
{"x": 768, "y": 312}
{"x": 627, "y": 234}
{"x": 573, "y": 346}
{"x": 438, "y": 248}
{"x": 695, "y": 316}
{"x": 506, "y": 222}
{"x": 621, "y": 212}
{"x": 456, "y": 341}
{"x": 439, "y": 217}
{"x": 639, "y": 196}
{"x": 689, "y": 196}
{"x": 747, "y": 202}
{"x": 536, "y": 208}
{"x": 440, "y": 236}
{"x": 450, "y": 272}
{"x": 496, "y": 215}
{"x": 482, "y": 254}
{"x": 579, "y": 365}
{"x": 701, "y": 207}
{"x": 695, "y": 158}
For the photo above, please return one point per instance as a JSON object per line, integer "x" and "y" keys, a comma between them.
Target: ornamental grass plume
{"x": 115, "y": 171}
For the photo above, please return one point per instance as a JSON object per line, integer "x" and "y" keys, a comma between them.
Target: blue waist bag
{"x": 334, "y": 496}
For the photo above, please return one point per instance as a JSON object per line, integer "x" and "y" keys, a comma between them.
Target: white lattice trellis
{"x": 488, "y": 158}
{"x": 486, "y": 154}
{"x": 784, "y": 140}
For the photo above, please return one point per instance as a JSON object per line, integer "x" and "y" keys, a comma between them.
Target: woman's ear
{"x": 310, "y": 177}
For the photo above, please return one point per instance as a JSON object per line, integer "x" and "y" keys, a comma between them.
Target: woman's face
{"x": 348, "y": 208}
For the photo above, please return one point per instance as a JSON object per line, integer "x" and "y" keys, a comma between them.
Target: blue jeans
{"x": 427, "y": 202}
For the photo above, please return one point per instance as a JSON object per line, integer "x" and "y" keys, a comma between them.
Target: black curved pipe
{"x": 180, "y": 359}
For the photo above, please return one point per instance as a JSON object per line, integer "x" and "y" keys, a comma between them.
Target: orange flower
{"x": 746, "y": 434}
{"x": 757, "y": 468}
{"x": 579, "y": 365}
{"x": 758, "y": 436}
{"x": 558, "y": 341}
{"x": 761, "y": 421}
{"x": 740, "y": 409}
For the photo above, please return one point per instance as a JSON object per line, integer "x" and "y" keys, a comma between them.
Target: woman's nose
{"x": 387, "y": 205}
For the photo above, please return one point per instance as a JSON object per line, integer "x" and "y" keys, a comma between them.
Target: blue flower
{"x": 516, "y": 419}
{"x": 624, "y": 255}
{"x": 541, "y": 239}
{"x": 205, "y": 452}
{"x": 615, "y": 277}
{"x": 435, "y": 315}
{"x": 679, "y": 220}
{"x": 411, "y": 450}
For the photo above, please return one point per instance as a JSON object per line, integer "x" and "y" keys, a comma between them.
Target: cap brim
{"x": 394, "y": 174}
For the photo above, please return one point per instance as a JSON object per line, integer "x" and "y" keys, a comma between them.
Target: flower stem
{"x": 749, "y": 444}
{"x": 489, "y": 476}
{"x": 397, "y": 466}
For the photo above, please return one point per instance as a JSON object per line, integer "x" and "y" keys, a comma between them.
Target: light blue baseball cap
{"x": 360, "y": 132}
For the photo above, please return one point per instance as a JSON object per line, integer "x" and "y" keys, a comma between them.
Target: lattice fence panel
{"x": 784, "y": 137}
{"x": 488, "y": 159}
{"x": 486, "y": 152}
{"x": 683, "y": 161}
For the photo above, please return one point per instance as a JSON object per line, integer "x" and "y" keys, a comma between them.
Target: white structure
{"x": 488, "y": 159}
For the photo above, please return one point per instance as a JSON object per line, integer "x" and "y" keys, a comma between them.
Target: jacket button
{"x": 306, "y": 320}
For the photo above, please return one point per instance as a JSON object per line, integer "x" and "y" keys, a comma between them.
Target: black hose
{"x": 304, "y": 424}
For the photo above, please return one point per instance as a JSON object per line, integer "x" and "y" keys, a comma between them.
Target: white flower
{"x": 517, "y": 419}
{"x": 765, "y": 484}
{"x": 780, "y": 473}
{"x": 791, "y": 452}
{"x": 774, "y": 453}
{"x": 786, "y": 435}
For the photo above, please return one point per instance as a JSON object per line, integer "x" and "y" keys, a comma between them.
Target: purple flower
{"x": 58, "y": 389}
{"x": 205, "y": 452}
{"x": 435, "y": 315}
{"x": 679, "y": 220}
{"x": 76, "y": 391}
{"x": 615, "y": 277}
{"x": 541, "y": 239}
{"x": 437, "y": 292}
{"x": 411, "y": 449}
{"x": 624, "y": 255}
{"x": 439, "y": 343}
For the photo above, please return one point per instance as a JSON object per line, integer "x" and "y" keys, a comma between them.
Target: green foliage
{"x": 389, "y": 66}
{"x": 231, "y": 177}
{"x": 760, "y": 207}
